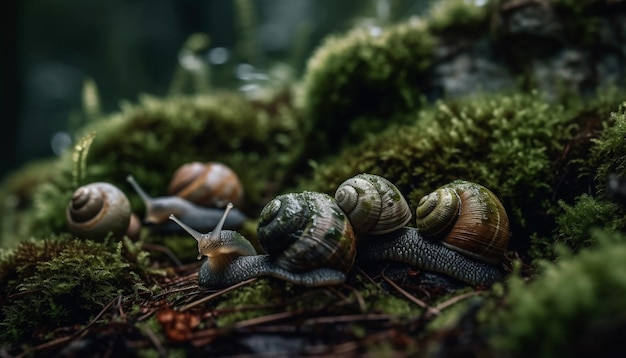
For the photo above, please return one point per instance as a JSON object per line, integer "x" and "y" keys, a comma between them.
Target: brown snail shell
{"x": 98, "y": 209}
{"x": 209, "y": 184}
{"x": 374, "y": 205}
{"x": 467, "y": 218}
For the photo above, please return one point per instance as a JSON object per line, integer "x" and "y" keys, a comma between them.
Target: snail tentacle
{"x": 407, "y": 245}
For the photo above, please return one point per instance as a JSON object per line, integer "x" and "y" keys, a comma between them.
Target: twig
{"x": 217, "y": 294}
{"x": 74, "y": 335}
{"x": 155, "y": 341}
{"x": 370, "y": 279}
{"x": 348, "y": 318}
{"x": 165, "y": 250}
{"x": 455, "y": 299}
{"x": 430, "y": 310}
{"x": 120, "y": 308}
{"x": 359, "y": 298}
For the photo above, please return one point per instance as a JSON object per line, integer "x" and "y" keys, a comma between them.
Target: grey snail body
{"x": 471, "y": 231}
{"x": 307, "y": 237}
{"x": 158, "y": 210}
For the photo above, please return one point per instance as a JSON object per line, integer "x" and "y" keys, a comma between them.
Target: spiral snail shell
{"x": 373, "y": 204}
{"x": 467, "y": 218}
{"x": 209, "y": 184}
{"x": 307, "y": 237}
{"x": 470, "y": 249}
{"x": 159, "y": 209}
{"x": 306, "y": 230}
{"x": 96, "y": 210}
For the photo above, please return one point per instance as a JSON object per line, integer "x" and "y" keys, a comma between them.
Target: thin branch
{"x": 417, "y": 301}
{"x": 217, "y": 294}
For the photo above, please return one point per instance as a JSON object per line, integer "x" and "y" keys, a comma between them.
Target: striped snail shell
{"x": 209, "y": 184}
{"x": 307, "y": 237}
{"x": 467, "y": 218}
{"x": 96, "y": 210}
{"x": 302, "y": 231}
{"x": 374, "y": 205}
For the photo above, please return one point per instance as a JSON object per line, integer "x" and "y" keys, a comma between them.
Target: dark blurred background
{"x": 130, "y": 47}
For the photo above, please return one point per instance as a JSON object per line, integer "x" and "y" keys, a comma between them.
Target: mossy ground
{"x": 361, "y": 106}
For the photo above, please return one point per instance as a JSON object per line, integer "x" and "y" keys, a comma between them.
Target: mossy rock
{"x": 370, "y": 71}
{"x": 515, "y": 144}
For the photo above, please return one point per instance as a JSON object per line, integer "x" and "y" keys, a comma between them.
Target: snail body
{"x": 307, "y": 237}
{"x": 98, "y": 209}
{"x": 209, "y": 184}
{"x": 409, "y": 246}
{"x": 200, "y": 218}
{"x": 467, "y": 243}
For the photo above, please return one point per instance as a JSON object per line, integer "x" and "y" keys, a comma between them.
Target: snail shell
{"x": 373, "y": 204}
{"x": 467, "y": 218}
{"x": 232, "y": 259}
{"x": 303, "y": 231}
{"x": 96, "y": 210}
{"x": 209, "y": 184}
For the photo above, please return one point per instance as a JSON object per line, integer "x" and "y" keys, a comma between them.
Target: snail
{"x": 307, "y": 237}
{"x": 158, "y": 210}
{"x": 471, "y": 246}
{"x": 98, "y": 209}
{"x": 209, "y": 184}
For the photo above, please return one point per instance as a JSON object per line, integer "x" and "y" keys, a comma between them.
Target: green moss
{"x": 260, "y": 140}
{"x": 575, "y": 305}
{"x": 575, "y": 224}
{"x": 609, "y": 151}
{"x": 505, "y": 142}
{"x": 459, "y": 17}
{"x": 365, "y": 73}
{"x": 59, "y": 281}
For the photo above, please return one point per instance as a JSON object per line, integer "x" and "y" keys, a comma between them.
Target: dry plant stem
{"x": 176, "y": 290}
{"x": 370, "y": 279}
{"x": 165, "y": 250}
{"x": 348, "y": 318}
{"x": 76, "y": 334}
{"x": 447, "y": 303}
{"x": 155, "y": 341}
{"x": 359, "y": 298}
{"x": 120, "y": 309}
{"x": 417, "y": 301}
{"x": 217, "y": 294}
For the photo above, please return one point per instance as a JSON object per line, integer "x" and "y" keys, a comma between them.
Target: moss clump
{"x": 577, "y": 221}
{"x": 459, "y": 17}
{"x": 50, "y": 283}
{"x": 260, "y": 140}
{"x": 574, "y": 306}
{"x": 505, "y": 142}
{"x": 608, "y": 154}
{"x": 372, "y": 72}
